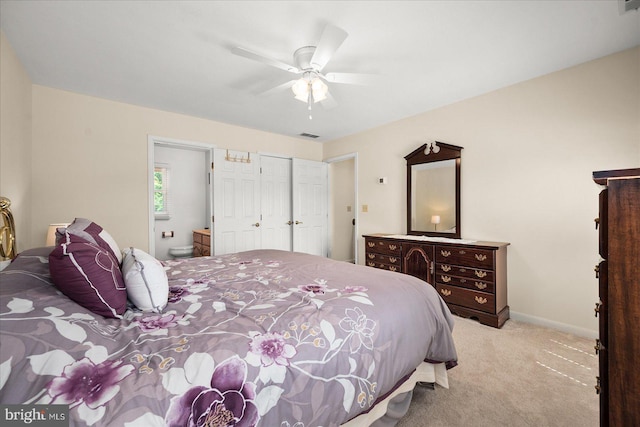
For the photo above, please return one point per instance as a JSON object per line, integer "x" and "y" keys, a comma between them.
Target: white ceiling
{"x": 175, "y": 55}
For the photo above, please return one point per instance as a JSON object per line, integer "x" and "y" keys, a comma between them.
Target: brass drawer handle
{"x": 462, "y": 252}
{"x": 597, "y": 309}
{"x": 480, "y": 285}
{"x": 371, "y": 256}
{"x": 445, "y": 253}
{"x": 597, "y": 270}
{"x": 371, "y": 244}
{"x": 446, "y": 279}
{"x": 481, "y": 300}
{"x": 371, "y": 264}
{"x": 445, "y": 292}
{"x": 481, "y": 257}
{"x": 392, "y": 268}
{"x": 597, "y": 387}
{"x": 393, "y": 247}
{"x": 480, "y": 273}
{"x": 445, "y": 267}
{"x": 598, "y": 347}
{"x": 393, "y": 259}
{"x": 462, "y": 270}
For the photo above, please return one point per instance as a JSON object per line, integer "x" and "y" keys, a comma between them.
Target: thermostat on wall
{"x": 382, "y": 180}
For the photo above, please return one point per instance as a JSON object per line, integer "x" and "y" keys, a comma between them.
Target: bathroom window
{"x": 161, "y": 191}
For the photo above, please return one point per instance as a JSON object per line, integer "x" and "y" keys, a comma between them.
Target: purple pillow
{"x": 89, "y": 275}
{"x": 91, "y": 232}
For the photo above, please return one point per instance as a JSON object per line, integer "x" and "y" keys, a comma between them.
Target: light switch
{"x": 365, "y": 208}
{"x": 348, "y": 208}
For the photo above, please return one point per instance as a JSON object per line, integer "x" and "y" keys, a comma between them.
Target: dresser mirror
{"x": 433, "y": 190}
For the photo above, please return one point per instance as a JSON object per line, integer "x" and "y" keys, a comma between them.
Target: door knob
{"x": 289, "y": 222}
{"x": 257, "y": 224}
{"x": 298, "y": 222}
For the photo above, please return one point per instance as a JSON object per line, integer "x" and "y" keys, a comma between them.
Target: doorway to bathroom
{"x": 180, "y": 195}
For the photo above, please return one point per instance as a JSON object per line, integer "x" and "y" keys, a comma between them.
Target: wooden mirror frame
{"x": 426, "y": 154}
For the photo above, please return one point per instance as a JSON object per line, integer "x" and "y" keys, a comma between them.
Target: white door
{"x": 275, "y": 186}
{"x": 236, "y": 203}
{"x": 310, "y": 215}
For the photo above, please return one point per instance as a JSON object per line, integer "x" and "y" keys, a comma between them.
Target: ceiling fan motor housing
{"x": 302, "y": 58}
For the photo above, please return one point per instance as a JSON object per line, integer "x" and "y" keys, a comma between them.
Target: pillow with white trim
{"x": 145, "y": 279}
{"x": 91, "y": 232}
{"x": 89, "y": 275}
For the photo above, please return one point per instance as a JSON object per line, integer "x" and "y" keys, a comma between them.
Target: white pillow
{"x": 145, "y": 279}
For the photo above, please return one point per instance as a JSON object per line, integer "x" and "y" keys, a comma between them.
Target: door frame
{"x": 152, "y": 142}
{"x": 337, "y": 159}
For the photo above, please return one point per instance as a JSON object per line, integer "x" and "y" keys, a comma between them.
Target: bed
{"x": 264, "y": 337}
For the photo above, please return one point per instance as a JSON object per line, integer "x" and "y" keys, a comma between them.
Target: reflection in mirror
{"x": 433, "y": 187}
{"x": 433, "y": 190}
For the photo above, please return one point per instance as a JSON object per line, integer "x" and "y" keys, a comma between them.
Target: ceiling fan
{"x": 309, "y": 61}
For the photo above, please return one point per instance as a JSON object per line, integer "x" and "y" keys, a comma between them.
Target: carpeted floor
{"x": 520, "y": 375}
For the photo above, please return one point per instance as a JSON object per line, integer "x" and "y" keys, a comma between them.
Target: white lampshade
{"x": 301, "y": 90}
{"x": 319, "y": 89}
{"x": 51, "y": 233}
{"x": 435, "y": 219}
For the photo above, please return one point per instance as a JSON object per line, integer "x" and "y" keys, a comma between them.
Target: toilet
{"x": 181, "y": 251}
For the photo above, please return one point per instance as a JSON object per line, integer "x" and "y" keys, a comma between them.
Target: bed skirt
{"x": 389, "y": 411}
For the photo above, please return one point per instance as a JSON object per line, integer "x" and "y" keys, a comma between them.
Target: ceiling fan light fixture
{"x": 308, "y": 85}
{"x": 301, "y": 90}
{"x": 319, "y": 90}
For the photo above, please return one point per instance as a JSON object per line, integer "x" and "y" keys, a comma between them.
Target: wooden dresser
{"x": 618, "y": 345}
{"x": 201, "y": 242}
{"x": 470, "y": 277}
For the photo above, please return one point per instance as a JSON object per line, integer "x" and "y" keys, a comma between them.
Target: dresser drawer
{"x": 383, "y": 266}
{"x": 466, "y": 272}
{"x": 475, "y": 284}
{"x": 467, "y": 298}
{"x": 385, "y": 259}
{"x": 460, "y": 255}
{"x": 388, "y": 247}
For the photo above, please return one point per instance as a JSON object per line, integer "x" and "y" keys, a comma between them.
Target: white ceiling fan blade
{"x": 240, "y": 51}
{"x": 331, "y": 39}
{"x": 278, "y": 88}
{"x": 353, "y": 78}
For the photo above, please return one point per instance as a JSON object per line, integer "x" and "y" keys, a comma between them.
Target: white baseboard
{"x": 582, "y": 332}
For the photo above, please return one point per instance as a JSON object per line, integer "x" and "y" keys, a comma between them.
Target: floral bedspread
{"x": 266, "y": 338}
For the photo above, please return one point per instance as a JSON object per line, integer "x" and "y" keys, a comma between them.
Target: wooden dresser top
{"x": 440, "y": 240}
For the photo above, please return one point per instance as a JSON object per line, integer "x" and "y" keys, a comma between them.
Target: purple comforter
{"x": 265, "y": 337}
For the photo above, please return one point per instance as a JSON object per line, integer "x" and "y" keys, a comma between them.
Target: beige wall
{"x": 529, "y": 151}
{"x": 90, "y": 159}
{"x": 15, "y": 139}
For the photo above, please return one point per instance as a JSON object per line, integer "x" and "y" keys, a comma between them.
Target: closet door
{"x": 275, "y": 187}
{"x": 236, "y": 203}
{"x": 310, "y": 213}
